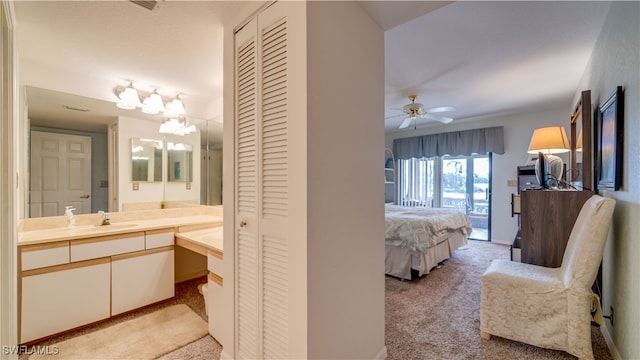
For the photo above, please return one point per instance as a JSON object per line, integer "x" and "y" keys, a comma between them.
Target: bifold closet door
{"x": 262, "y": 182}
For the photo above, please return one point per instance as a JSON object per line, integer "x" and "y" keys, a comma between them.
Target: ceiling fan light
{"x": 128, "y": 98}
{"x": 413, "y": 109}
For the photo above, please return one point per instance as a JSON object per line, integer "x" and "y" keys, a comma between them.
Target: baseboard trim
{"x": 382, "y": 354}
{"x": 225, "y": 356}
{"x": 610, "y": 344}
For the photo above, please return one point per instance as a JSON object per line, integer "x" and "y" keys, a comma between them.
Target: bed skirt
{"x": 399, "y": 261}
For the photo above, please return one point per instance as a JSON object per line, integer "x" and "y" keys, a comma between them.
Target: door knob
{"x": 85, "y": 196}
{"x": 243, "y": 223}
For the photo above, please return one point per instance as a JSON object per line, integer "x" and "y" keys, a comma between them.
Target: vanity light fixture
{"x": 153, "y": 104}
{"x": 128, "y": 99}
{"x": 176, "y": 126}
{"x": 174, "y": 108}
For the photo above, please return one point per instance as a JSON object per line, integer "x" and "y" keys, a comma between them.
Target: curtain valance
{"x": 456, "y": 143}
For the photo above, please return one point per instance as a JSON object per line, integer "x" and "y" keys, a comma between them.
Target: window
{"x": 457, "y": 182}
{"x": 416, "y": 182}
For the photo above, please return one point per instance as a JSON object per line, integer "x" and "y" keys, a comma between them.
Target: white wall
{"x": 336, "y": 215}
{"x": 345, "y": 278}
{"x": 128, "y": 128}
{"x": 517, "y": 135}
{"x": 616, "y": 61}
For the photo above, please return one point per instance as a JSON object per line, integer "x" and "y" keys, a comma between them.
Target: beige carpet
{"x": 145, "y": 337}
{"x": 438, "y": 316}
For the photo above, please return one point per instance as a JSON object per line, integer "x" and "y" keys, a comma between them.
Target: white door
{"x": 60, "y": 173}
{"x": 262, "y": 186}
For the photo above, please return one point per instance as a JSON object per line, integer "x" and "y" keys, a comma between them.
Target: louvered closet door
{"x": 262, "y": 181}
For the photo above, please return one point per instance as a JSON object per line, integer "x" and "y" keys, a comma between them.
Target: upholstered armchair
{"x": 550, "y": 307}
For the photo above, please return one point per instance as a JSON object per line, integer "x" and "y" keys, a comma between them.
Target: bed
{"x": 420, "y": 237}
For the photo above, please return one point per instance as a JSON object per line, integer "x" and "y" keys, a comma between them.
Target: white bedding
{"x": 419, "y": 238}
{"x": 419, "y": 228}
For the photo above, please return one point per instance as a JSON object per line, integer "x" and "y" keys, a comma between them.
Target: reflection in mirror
{"x": 179, "y": 162}
{"x": 211, "y": 164}
{"x": 53, "y": 111}
{"x": 146, "y": 160}
{"x": 581, "y": 170}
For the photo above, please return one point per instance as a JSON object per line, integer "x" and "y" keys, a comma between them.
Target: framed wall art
{"x": 609, "y": 142}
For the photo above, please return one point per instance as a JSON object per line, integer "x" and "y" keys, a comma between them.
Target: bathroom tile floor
{"x": 186, "y": 293}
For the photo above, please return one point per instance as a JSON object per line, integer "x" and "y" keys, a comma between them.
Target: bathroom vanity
{"x": 208, "y": 242}
{"x": 73, "y": 276}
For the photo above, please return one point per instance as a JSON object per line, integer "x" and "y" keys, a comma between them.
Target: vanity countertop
{"x": 118, "y": 227}
{"x": 202, "y": 241}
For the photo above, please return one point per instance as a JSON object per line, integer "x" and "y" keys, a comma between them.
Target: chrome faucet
{"x": 104, "y": 217}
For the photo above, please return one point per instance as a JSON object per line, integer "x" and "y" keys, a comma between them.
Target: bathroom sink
{"x": 115, "y": 226}
{"x": 105, "y": 228}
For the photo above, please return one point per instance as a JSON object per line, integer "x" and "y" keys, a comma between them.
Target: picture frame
{"x": 582, "y": 173}
{"x": 609, "y": 141}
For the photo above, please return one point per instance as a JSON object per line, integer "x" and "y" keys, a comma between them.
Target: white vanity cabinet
{"x": 67, "y": 284}
{"x": 215, "y": 307}
{"x": 93, "y": 248}
{"x": 159, "y": 238}
{"x": 215, "y": 298}
{"x": 63, "y": 297}
{"x": 141, "y": 278}
{"x": 42, "y": 255}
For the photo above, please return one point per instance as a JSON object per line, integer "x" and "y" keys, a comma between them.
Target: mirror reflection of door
{"x": 60, "y": 174}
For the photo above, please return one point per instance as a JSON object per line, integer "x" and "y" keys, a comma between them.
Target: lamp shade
{"x": 128, "y": 98}
{"x": 549, "y": 140}
{"x": 174, "y": 108}
{"x": 153, "y": 104}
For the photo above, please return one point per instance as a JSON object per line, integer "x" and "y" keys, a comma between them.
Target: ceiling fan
{"x": 415, "y": 110}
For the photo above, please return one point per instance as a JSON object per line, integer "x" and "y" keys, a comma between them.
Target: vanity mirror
{"x": 44, "y": 111}
{"x": 146, "y": 160}
{"x": 179, "y": 162}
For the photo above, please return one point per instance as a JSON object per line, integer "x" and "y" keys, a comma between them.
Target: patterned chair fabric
{"x": 550, "y": 307}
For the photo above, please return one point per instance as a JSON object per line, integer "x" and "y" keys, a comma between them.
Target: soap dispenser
{"x": 68, "y": 212}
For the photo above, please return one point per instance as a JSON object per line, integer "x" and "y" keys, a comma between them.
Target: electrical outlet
{"x": 511, "y": 182}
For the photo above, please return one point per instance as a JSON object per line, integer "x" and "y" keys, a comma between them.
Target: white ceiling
{"x": 484, "y": 58}
{"x": 491, "y": 58}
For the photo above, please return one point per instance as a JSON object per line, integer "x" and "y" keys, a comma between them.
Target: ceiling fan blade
{"x": 395, "y": 116}
{"x": 441, "y": 109}
{"x": 442, "y": 119}
{"x": 405, "y": 123}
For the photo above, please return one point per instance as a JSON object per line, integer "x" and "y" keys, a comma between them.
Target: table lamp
{"x": 545, "y": 142}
